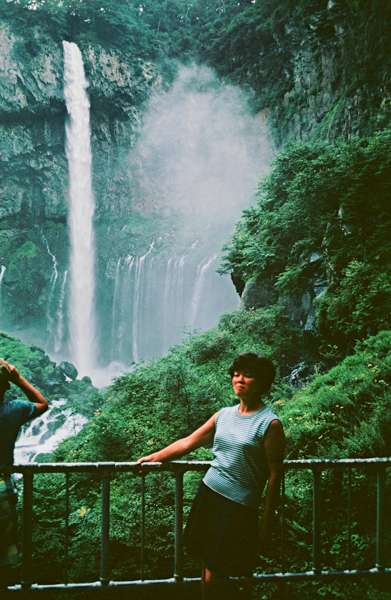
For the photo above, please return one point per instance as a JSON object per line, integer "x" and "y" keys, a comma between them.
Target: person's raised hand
{"x": 14, "y": 373}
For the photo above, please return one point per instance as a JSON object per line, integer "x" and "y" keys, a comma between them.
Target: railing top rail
{"x": 182, "y": 465}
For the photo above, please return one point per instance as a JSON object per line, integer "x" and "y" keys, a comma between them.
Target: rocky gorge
{"x": 159, "y": 191}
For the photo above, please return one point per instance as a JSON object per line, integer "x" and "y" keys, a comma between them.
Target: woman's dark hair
{"x": 258, "y": 366}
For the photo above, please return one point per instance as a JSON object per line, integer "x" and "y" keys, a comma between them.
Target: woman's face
{"x": 246, "y": 387}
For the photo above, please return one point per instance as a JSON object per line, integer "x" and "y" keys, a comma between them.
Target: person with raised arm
{"x": 248, "y": 450}
{"x": 13, "y": 414}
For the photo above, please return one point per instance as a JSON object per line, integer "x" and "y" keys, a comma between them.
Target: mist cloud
{"x": 200, "y": 150}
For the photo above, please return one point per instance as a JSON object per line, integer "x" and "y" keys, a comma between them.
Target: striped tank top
{"x": 239, "y": 468}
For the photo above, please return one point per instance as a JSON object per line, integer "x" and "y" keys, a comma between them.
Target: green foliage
{"x": 36, "y": 366}
{"x": 323, "y": 212}
{"x": 345, "y": 413}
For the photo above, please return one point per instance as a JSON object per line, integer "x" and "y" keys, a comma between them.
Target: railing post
{"x": 66, "y": 532}
{"x": 349, "y": 517}
{"x": 142, "y": 524}
{"x": 178, "y": 574}
{"x": 105, "y": 528}
{"x": 27, "y": 528}
{"x": 283, "y": 522}
{"x": 380, "y": 521}
{"x": 316, "y": 549}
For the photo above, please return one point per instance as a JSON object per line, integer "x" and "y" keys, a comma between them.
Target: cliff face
{"x": 32, "y": 134}
{"x": 31, "y": 137}
{"x": 335, "y": 60}
{"x": 34, "y": 170}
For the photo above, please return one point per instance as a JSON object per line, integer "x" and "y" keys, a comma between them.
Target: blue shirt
{"x": 13, "y": 415}
{"x": 239, "y": 468}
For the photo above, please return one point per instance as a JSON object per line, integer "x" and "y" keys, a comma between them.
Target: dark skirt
{"x": 222, "y": 533}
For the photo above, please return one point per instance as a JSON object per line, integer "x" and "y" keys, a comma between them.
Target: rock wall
{"x": 34, "y": 170}
{"x": 334, "y": 91}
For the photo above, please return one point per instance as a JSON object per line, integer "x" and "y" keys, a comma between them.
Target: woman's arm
{"x": 32, "y": 394}
{"x": 275, "y": 450}
{"x": 200, "y": 437}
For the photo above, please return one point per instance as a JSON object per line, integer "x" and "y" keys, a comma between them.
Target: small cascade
{"x": 173, "y": 313}
{"x": 58, "y": 339}
{"x": 137, "y": 303}
{"x": 81, "y": 212}
{"x": 119, "y": 334}
{"x": 51, "y": 326}
{"x": 199, "y": 288}
{"x": 177, "y": 283}
{"x": 3, "y": 269}
{"x": 154, "y": 301}
{"x": 54, "y": 277}
{"x": 116, "y": 308}
{"x": 167, "y": 303}
{"x": 44, "y": 434}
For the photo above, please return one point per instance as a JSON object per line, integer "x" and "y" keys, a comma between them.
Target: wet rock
{"x": 256, "y": 296}
{"x": 69, "y": 370}
{"x": 300, "y": 375}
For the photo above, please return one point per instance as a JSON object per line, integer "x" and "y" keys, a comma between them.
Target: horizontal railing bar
{"x": 334, "y": 462}
{"x": 186, "y": 580}
{"x": 321, "y": 574}
{"x": 97, "y": 584}
{"x": 173, "y": 466}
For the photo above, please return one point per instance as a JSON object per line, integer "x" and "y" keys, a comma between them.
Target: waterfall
{"x": 173, "y": 318}
{"x": 116, "y": 308}
{"x": 43, "y": 435}
{"x": 137, "y": 304}
{"x": 179, "y": 282}
{"x": 198, "y": 288}
{"x": 118, "y": 337}
{"x": 60, "y": 315}
{"x": 81, "y": 211}
{"x": 166, "y": 304}
{"x": 153, "y": 301}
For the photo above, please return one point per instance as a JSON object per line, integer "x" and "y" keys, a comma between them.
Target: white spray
{"x": 81, "y": 211}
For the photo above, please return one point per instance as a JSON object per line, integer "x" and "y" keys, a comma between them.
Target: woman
{"x": 248, "y": 449}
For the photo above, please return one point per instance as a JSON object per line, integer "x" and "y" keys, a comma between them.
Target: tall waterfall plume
{"x": 81, "y": 212}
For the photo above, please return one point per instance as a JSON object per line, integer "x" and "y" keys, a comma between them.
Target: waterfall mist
{"x": 80, "y": 213}
{"x": 199, "y": 154}
{"x": 201, "y": 151}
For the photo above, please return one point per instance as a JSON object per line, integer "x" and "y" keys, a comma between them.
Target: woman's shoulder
{"x": 226, "y": 412}
{"x": 228, "y": 409}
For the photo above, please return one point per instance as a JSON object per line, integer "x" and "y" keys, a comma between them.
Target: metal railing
{"x": 178, "y": 468}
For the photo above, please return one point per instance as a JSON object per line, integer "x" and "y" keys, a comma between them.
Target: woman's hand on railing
{"x": 150, "y": 458}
